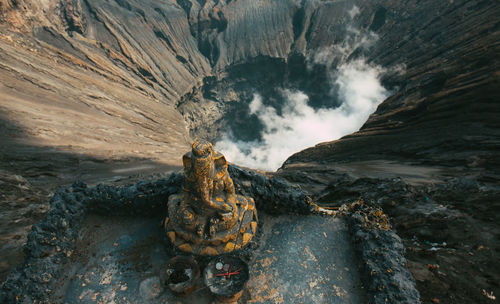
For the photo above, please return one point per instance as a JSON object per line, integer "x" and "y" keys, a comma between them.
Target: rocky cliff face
{"x": 113, "y": 79}
{"x": 445, "y": 103}
{"x": 165, "y": 49}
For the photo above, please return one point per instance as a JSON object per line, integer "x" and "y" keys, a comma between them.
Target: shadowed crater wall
{"x": 208, "y": 58}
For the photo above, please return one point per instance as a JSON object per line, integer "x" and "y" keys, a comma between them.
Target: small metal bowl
{"x": 181, "y": 274}
{"x": 226, "y": 276}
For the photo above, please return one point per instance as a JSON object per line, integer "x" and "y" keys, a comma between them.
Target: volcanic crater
{"x": 114, "y": 91}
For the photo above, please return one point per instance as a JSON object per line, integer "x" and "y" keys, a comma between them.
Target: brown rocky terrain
{"x": 114, "y": 90}
{"x": 439, "y": 133}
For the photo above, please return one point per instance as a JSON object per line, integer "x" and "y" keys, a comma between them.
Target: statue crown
{"x": 202, "y": 148}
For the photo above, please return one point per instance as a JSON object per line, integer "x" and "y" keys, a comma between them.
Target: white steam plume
{"x": 300, "y": 126}
{"x": 358, "y": 88}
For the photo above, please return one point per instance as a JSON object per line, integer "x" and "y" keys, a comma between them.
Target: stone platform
{"x": 305, "y": 259}
{"x": 300, "y": 258}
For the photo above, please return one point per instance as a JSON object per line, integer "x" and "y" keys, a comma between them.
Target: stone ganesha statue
{"x": 208, "y": 217}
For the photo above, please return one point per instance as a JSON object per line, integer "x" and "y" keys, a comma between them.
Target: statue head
{"x": 199, "y": 162}
{"x": 204, "y": 162}
{"x": 203, "y": 168}
{"x": 202, "y": 148}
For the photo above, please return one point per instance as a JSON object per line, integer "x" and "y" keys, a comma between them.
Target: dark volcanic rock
{"x": 448, "y": 225}
{"x": 135, "y": 77}
{"x": 386, "y": 276}
{"x": 51, "y": 241}
{"x": 443, "y": 115}
{"x": 273, "y": 195}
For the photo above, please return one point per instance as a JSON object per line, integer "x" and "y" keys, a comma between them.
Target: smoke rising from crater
{"x": 300, "y": 126}
{"x": 356, "y": 84}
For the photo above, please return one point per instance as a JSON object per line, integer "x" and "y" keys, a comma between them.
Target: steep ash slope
{"x": 446, "y": 101}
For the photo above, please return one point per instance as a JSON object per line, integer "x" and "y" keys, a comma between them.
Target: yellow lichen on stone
{"x": 230, "y": 246}
{"x": 254, "y": 226}
{"x": 246, "y": 238}
{"x": 186, "y": 248}
{"x": 187, "y": 215}
{"x": 171, "y": 236}
{"x": 209, "y": 251}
